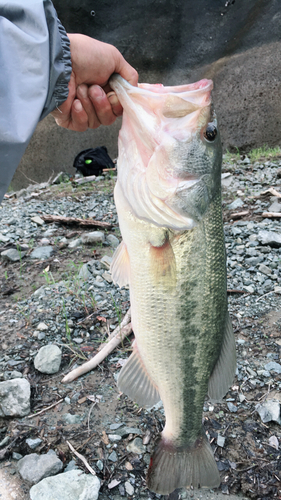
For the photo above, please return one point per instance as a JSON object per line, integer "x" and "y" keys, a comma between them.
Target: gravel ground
{"x": 64, "y": 295}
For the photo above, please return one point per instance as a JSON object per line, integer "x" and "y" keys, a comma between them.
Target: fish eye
{"x": 211, "y": 132}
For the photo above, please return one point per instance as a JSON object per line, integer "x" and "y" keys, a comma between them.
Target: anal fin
{"x": 224, "y": 371}
{"x": 136, "y": 383}
{"x": 120, "y": 266}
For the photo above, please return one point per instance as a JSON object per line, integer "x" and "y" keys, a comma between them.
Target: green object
{"x": 88, "y": 161}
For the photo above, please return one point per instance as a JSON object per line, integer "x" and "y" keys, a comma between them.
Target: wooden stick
{"x": 45, "y": 409}
{"x": 100, "y": 356}
{"x": 124, "y": 322}
{"x": 74, "y": 220}
{"x": 238, "y": 215}
{"x": 81, "y": 458}
{"x": 83, "y": 180}
{"x": 271, "y": 191}
{"x": 271, "y": 214}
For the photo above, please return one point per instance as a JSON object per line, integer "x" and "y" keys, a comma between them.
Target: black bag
{"x": 93, "y": 161}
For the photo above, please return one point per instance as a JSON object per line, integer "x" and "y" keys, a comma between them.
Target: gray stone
{"x": 84, "y": 272}
{"x": 125, "y": 431}
{"x": 114, "y": 438}
{"x": 100, "y": 464}
{"x": 220, "y": 440}
{"x": 42, "y": 252}
{"x": 231, "y": 407}
{"x": 270, "y": 238}
{"x": 112, "y": 240}
{"x": 106, "y": 261}
{"x": 71, "y": 466}
{"x": 48, "y": 359}
{"x": 107, "y": 277}
{"x": 12, "y": 374}
{"x": 236, "y": 204}
{"x": 14, "y": 398}
{"x": 136, "y": 446}
{"x": 71, "y": 485}
{"x": 42, "y": 327}
{"x": 275, "y": 207}
{"x": 33, "y": 443}
{"x": 93, "y": 237}
{"x": 269, "y": 410}
{"x": 113, "y": 427}
{"x": 75, "y": 243}
{"x": 16, "y": 456}
{"x": 71, "y": 419}
{"x": 12, "y": 255}
{"x": 265, "y": 270}
{"x": 3, "y": 238}
{"x": 113, "y": 456}
{"x": 273, "y": 366}
{"x": 38, "y": 220}
{"x": 129, "y": 488}
{"x": 34, "y": 467}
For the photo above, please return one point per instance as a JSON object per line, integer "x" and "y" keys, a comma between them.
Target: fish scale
{"x": 173, "y": 258}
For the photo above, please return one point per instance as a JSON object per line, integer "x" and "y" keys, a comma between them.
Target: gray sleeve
{"x": 35, "y": 68}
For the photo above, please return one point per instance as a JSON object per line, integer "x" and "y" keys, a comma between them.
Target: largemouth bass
{"x": 168, "y": 199}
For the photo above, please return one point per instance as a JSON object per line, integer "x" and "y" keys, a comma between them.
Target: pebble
{"x": 129, "y": 488}
{"x": 93, "y": 237}
{"x": 33, "y": 443}
{"x": 232, "y": 408}
{"x": 75, "y": 243}
{"x": 112, "y": 240}
{"x": 273, "y": 366}
{"x": 72, "y": 419}
{"x": 48, "y": 359}
{"x": 269, "y": 410}
{"x": 236, "y": 204}
{"x": 37, "y": 220}
{"x": 42, "y": 327}
{"x": 14, "y": 398}
{"x": 220, "y": 440}
{"x": 113, "y": 456}
{"x": 12, "y": 255}
{"x": 42, "y": 253}
{"x": 114, "y": 438}
{"x": 136, "y": 446}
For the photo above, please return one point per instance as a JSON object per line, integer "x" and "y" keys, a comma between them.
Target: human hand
{"x": 91, "y": 102}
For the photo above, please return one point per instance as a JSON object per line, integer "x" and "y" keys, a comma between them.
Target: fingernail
{"x": 77, "y": 105}
{"x": 113, "y": 99}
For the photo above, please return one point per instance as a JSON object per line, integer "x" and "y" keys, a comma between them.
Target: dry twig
{"x": 45, "y": 409}
{"x": 272, "y": 214}
{"x": 83, "y": 180}
{"x": 75, "y": 220}
{"x": 81, "y": 458}
{"x": 100, "y": 356}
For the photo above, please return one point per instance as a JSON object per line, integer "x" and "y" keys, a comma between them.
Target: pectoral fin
{"x": 224, "y": 371}
{"x": 163, "y": 264}
{"x": 120, "y": 266}
{"x": 136, "y": 383}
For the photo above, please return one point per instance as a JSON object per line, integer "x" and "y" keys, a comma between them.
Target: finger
{"x": 115, "y": 104}
{"x": 126, "y": 70}
{"x": 102, "y": 105}
{"x": 82, "y": 94}
{"x": 79, "y": 117}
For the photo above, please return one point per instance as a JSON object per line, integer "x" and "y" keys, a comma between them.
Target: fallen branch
{"x": 125, "y": 321}
{"x": 45, "y": 409}
{"x": 272, "y": 214}
{"x": 270, "y": 191}
{"x": 229, "y": 290}
{"x": 83, "y": 180}
{"x": 100, "y": 356}
{"x": 81, "y": 458}
{"x": 238, "y": 215}
{"x": 74, "y": 220}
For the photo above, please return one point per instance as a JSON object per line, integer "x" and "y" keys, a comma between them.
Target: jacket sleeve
{"x": 35, "y": 70}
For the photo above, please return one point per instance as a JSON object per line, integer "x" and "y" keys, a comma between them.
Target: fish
{"x": 172, "y": 256}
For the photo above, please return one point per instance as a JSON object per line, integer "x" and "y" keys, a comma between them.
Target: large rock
{"x": 48, "y": 359}
{"x": 270, "y": 238}
{"x": 14, "y": 398}
{"x": 72, "y": 485}
{"x": 34, "y": 467}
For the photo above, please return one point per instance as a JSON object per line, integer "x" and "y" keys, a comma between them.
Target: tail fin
{"x": 178, "y": 467}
